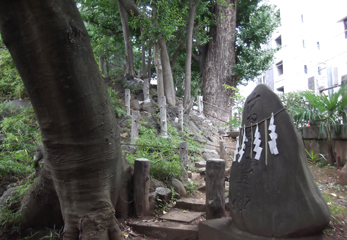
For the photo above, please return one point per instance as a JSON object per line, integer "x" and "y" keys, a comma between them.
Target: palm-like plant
{"x": 326, "y": 112}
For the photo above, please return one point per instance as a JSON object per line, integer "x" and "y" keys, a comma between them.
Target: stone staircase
{"x": 180, "y": 223}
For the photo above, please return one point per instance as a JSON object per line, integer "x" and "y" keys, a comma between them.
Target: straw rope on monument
{"x": 257, "y": 149}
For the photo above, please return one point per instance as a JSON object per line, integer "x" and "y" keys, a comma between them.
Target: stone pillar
{"x": 180, "y": 116}
{"x": 141, "y": 186}
{"x": 163, "y": 121}
{"x": 127, "y": 101}
{"x": 184, "y": 160}
{"x": 145, "y": 90}
{"x": 135, "y": 126}
{"x": 215, "y": 188}
{"x": 200, "y": 104}
{"x": 222, "y": 151}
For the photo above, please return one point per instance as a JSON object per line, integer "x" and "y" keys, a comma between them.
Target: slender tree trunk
{"x": 51, "y": 50}
{"x": 143, "y": 60}
{"x": 149, "y": 66}
{"x": 101, "y": 65}
{"x": 169, "y": 88}
{"x": 189, "y": 44}
{"x": 128, "y": 46}
{"x": 220, "y": 61}
{"x": 159, "y": 70}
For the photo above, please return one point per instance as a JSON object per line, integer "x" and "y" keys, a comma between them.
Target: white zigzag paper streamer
{"x": 257, "y": 141}
{"x": 273, "y": 135}
{"x": 243, "y": 147}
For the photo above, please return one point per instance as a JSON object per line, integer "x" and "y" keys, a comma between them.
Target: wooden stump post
{"x": 127, "y": 101}
{"x": 145, "y": 90}
{"x": 135, "y": 122}
{"x": 184, "y": 160}
{"x": 163, "y": 121}
{"x": 141, "y": 186}
{"x": 215, "y": 188}
{"x": 200, "y": 104}
{"x": 223, "y": 153}
{"x": 180, "y": 116}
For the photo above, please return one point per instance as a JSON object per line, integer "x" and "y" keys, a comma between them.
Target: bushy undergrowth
{"x": 22, "y": 136}
{"x": 163, "y": 153}
{"x": 116, "y": 102}
{"x": 11, "y": 85}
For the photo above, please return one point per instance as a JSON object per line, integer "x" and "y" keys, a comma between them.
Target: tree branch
{"x": 130, "y": 7}
{"x": 175, "y": 56}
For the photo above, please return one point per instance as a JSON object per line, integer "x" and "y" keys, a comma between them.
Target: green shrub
{"x": 163, "y": 153}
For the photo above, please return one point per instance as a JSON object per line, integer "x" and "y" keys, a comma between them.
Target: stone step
{"x": 191, "y": 204}
{"x": 180, "y": 215}
{"x": 166, "y": 230}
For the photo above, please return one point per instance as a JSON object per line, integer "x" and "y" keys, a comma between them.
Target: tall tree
{"x": 51, "y": 49}
{"x": 188, "y": 68}
{"x": 220, "y": 60}
{"x": 130, "y": 69}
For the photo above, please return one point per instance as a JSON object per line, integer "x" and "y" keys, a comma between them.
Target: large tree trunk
{"x": 128, "y": 46}
{"x": 169, "y": 88}
{"x": 51, "y": 49}
{"x": 188, "y": 65}
{"x": 220, "y": 61}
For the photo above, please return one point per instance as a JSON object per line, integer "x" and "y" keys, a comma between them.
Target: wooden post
{"x": 145, "y": 90}
{"x": 180, "y": 116}
{"x": 141, "y": 186}
{"x": 223, "y": 153}
{"x": 215, "y": 188}
{"x": 200, "y": 104}
{"x": 127, "y": 101}
{"x": 163, "y": 122}
{"x": 184, "y": 160}
{"x": 135, "y": 126}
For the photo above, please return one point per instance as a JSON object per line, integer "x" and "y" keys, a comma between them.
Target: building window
{"x": 319, "y": 70}
{"x": 318, "y": 45}
{"x": 303, "y": 43}
{"x": 302, "y": 18}
{"x": 278, "y": 41}
{"x": 305, "y": 69}
{"x": 279, "y": 67}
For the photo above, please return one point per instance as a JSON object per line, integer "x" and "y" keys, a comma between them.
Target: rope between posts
{"x": 223, "y": 109}
{"x": 140, "y": 145}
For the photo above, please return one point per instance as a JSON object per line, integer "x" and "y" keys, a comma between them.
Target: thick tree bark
{"x": 128, "y": 46}
{"x": 169, "y": 88}
{"x": 220, "y": 60}
{"x": 189, "y": 44}
{"x": 52, "y": 52}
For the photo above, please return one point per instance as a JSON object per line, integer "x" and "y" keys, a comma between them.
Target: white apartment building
{"x": 313, "y": 40}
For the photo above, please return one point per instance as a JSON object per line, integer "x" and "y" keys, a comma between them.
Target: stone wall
{"x": 317, "y": 144}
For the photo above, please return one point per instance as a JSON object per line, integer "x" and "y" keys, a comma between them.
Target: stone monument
{"x": 272, "y": 191}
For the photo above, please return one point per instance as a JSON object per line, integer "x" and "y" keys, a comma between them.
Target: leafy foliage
{"x": 116, "y": 102}
{"x": 256, "y": 21}
{"x": 11, "y": 85}
{"x": 163, "y": 153}
{"x": 22, "y": 137}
